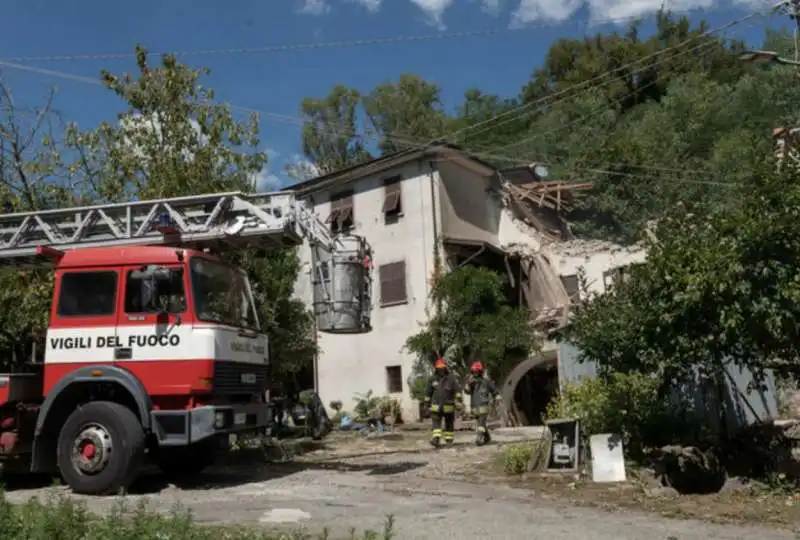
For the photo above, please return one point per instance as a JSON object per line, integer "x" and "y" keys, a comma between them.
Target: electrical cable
{"x": 302, "y": 46}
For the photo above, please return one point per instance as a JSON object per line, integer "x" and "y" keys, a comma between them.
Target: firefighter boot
{"x": 436, "y": 438}
{"x": 481, "y": 436}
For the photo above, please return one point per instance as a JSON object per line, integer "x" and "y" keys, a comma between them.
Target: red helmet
{"x": 440, "y": 363}
{"x": 477, "y": 366}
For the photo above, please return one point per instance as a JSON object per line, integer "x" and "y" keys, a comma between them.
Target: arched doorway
{"x": 531, "y": 386}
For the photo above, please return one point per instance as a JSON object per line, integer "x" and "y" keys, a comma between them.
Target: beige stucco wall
{"x": 354, "y": 364}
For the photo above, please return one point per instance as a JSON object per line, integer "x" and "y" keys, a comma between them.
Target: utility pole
{"x": 792, "y": 9}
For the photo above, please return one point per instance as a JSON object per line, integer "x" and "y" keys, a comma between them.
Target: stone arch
{"x": 537, "y": 371}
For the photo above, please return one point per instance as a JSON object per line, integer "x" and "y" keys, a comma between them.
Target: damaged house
{"x": 438, "y": 202}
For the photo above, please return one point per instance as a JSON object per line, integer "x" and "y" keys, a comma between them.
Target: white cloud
{"x": 434, "y": 9}
{"x": 373, "y": 6}
{"x": 300, "y": 169}
{"x": 529, "y": 11}
{"x": 315, "y": 7}
{"x": 266, "y": 181}
{"x": 492, "y": 7}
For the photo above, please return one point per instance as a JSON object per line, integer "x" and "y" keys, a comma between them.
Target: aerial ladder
{"x": 169, "y": 378}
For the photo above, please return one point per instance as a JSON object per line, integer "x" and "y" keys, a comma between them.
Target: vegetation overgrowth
{"x": 61, "y": 518}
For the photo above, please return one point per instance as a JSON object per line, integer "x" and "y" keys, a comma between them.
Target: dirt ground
{"x": 739, "y": 502}
{"x": 454, "y": 493}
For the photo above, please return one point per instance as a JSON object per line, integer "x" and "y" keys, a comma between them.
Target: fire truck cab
{"x": 153, "y": 350}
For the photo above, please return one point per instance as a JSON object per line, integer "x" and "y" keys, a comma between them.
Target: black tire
{"x": 185, "y": 461}
{"x": 126, "y": 455}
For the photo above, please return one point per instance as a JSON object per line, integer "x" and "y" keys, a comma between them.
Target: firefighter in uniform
{"x": 482, "y": 391}
{"x": 442, "y": 396}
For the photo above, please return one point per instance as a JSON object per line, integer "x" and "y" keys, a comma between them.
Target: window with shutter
{"x": 392, "y": 199}
{"x": 393, "y": 283}
{"x": 341, "y": 218}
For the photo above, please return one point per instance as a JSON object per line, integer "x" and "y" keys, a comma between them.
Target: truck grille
{"x": 239, "y": 377}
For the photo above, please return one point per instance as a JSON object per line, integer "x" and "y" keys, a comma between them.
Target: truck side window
{"x": 87, "y": 294}
{"x": 146, "y": 296}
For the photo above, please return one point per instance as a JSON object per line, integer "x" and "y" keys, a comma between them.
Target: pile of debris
{"x": 541, "y": 204}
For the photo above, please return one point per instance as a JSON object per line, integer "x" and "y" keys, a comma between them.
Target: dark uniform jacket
{"x": 481, "y": 391}
{"x": 443, "y": 392}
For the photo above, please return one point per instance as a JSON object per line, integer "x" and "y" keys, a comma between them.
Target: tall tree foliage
{"x": 172, "y": 139}
{"x": 32, "y": 177}
{"x": 720, "y": 286}
{"x": 330, "y": 136}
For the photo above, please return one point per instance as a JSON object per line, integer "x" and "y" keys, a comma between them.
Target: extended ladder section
{"x": 217, "y": 221}
{"x": 341, "y": 275}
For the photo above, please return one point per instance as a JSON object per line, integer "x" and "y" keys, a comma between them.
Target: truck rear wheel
{"x": 101, "y": 448}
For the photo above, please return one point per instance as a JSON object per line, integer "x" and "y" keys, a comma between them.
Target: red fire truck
{"x": 153, "y": 350}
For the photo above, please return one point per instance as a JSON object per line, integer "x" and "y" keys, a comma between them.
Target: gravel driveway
{"x": 357, "y": 485}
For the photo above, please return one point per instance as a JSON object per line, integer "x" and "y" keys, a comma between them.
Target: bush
{"x": 60, "y": 518}
{"x": 371, "y": 407}
{"x": 516, "y": 458}
{"x": 628, "y": 404}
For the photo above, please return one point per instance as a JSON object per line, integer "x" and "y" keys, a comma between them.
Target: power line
{"x": 300, "y": 122}
{"x": 302, "y": 46}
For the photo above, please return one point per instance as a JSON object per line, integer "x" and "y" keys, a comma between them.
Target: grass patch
{"x": 61, "y": 518}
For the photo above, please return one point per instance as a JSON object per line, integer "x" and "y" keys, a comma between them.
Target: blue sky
{"x": 275, "y": 81}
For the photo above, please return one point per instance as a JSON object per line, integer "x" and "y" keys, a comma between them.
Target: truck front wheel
{"x": 101, "y": 448}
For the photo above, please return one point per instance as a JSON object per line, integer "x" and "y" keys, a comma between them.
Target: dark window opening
{"x": 615, "y": 276}
{"x": 393, "y": 283}
{"x": 394, "y": 379}
{"x": 571, "y": 285}
{"x": 341, "y": 218}
{"x": 392, "y": 199}
{"x": 87, "y": 294}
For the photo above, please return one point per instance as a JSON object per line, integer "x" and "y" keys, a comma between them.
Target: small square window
{"x": 394, "y": 379}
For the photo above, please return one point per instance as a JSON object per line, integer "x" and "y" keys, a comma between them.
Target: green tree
{"x": 32, "y": 177}
{"x": 475, "y": 321}
{"x": 406, "y": 113}
{"x": 330, "y": 135}
{"x": 720, "y": 286}
{"x": 172, "y": 139}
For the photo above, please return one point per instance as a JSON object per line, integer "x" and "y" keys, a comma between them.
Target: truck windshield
{"x": 222, "y": 294}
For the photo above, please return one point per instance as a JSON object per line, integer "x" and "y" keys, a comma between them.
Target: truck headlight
{"x": 219, "y": 420}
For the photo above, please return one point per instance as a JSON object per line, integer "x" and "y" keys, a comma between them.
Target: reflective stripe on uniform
{"x": 448, "y": 435}
{"x": 480, "y": 409}
{"x": 480, "y": 429}
{"x": 436, "y": 432}
{"x": 443, "y": 408}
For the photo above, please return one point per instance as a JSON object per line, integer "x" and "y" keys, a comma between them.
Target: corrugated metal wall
{"x": 745, "y": 402}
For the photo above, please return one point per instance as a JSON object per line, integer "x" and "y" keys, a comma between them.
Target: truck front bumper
{"x": 181, "y": 428}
